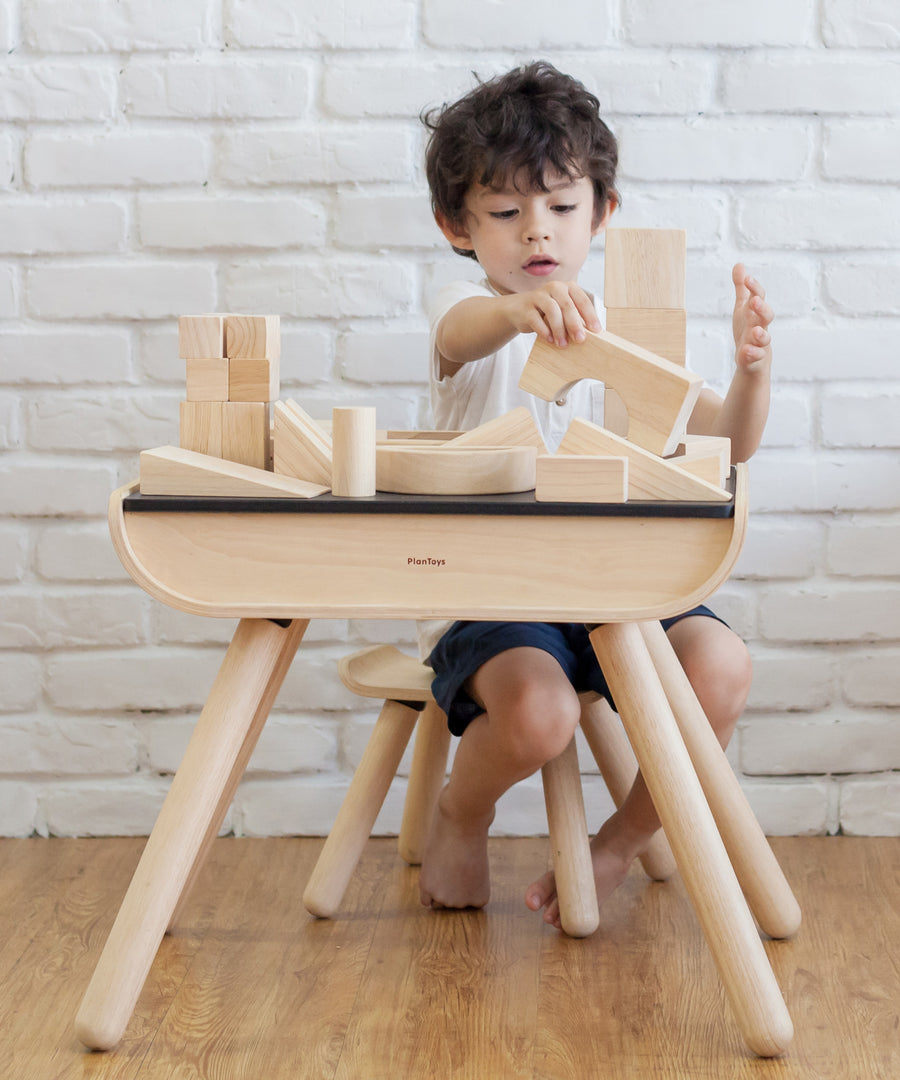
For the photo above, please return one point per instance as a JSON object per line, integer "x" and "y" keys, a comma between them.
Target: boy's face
{"x": 525, "y": 238}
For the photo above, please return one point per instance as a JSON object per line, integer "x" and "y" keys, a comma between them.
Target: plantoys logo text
{"x": 413, "y": 561}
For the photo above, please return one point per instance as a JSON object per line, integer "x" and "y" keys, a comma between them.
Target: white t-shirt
{"x": 484, "y": 389}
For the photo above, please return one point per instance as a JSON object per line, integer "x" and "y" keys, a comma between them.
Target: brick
{"x": 387, "y": 357}
{"x": 156, "y": 356}
{"x": 703, "y": 217}
{"x": 306, "y": 356}
{"x": 20, "y": 682}
{"x": 77, "y": 552}
{"x": 229, "y": 88}
{"x": 131, "y": 290}
{"x": 108, "y": 422}
{"x": 8, "y": 292}
{"x": 863, "y": 288}
{"x": 223, "y": 222}
{"x": 710, "y": 292}
{"x": 870, "y": 678}
{"x": 386, "y": 221}
{"x": 170, "y": 626}
{"x": 860, "y": 419}
{"x": 470, "y": 25}
{"x": 30, "y": 226}
{"x": 315, "y": 155}
{"x": 819, "y": 353}
{"x": 53, "y": 619}
{"x": 354, "y": 24}
{"x": 790, "y": 421}
{"x": 771, "y": 22}
{"x": 57, "y": 90}
{"x": 811, "y": 84}
{"x": 820, "y": 220}
{"x": 131, "y": 158}
{"x": 92, "y": 356}
{"x": 316, "y": 289}
{"x": 9, "y": 160}
{"x": 18, "y": 809}
{"x": 789, "y": 807}
{"x": 780, "y": 746}
{"x": 859, "y": 613}
{"x": 356, "y": 734}
{"x": 861, "y": 150}
{"x": 295, "y": 807}
{"x": 785, "y": 482}
{"x": 68, "y": 746}
{"x": 871, "y": 807}
{"x": 56, "y": 489}
{"x": 111, "y": 808}
{"x": 780, "y": 549}
{"x": 732, "y": 149}
{"x": 11, "y": 426}
{"x": 851, "y": 23}
{"x": 663, "y": 85}
{"x": 313, "y": 682}
{"x": 14, "y": 552}
{"x": 8, "y": 31}
{"x": 793, "y": 680}
{"x": 860, "y": 547}
{"x": 95, "y": 26}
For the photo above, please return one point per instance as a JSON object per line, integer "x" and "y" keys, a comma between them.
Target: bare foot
{"x": 611, "y": 856}
{"x": 455, "y": 871}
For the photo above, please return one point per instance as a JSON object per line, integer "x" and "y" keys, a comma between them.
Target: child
{"x": 522, "y": 177}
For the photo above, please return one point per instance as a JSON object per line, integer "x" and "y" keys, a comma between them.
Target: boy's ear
{"x": 602, "y": 221}
{"x": 455, "y": 232}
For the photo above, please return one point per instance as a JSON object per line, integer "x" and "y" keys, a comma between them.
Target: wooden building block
{"x": 515, "y": 428}
{"x": 581, "y": 478}
{"x": 429, "y": 436}
{"x": 253, "y": 379}
{"x": 493, "y": 470}
{"x": 245, "y": 432}
{"x": 645, "y": 268}
{"x": 660, "y": 330}
{"x": 207, "y": 378}
{"x": 201, "y": 336}
{"x": 255, "y": 336}
{"x": 170, "y": 470}
{"x": 201, "y": 427}
{"x": 649, "y": 477}
{"x": 353, "y": 452}
{"x": 300, "y": 449}
{"x": 658, "y": 395}
{"x": 708, "y": 456}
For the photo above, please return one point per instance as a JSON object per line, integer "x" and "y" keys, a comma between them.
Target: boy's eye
{"x": 503, "y": 215}
{"x": 565, "y": 208}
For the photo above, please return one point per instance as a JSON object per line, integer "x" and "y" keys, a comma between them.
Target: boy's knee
{"x": 720, "y": 670}
{"x": 541, "y": 722}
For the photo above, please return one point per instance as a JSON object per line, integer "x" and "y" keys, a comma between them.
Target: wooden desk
{"x": 503, "y": 557}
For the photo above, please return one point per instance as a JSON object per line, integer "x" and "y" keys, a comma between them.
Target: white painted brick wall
{"x": 222, "y": 154}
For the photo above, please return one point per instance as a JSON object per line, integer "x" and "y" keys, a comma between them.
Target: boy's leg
{"x": 531, "y": 711}
{"x": 718, "y": 666}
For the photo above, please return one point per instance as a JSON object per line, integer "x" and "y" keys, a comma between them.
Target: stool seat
{"x": 385, "y": 672}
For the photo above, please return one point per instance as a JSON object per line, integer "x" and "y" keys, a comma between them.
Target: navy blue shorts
{"x": 468, "y": 645}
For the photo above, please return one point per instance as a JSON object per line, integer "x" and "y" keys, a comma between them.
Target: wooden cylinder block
{"x": 472, "y": 471}
{"x": 353, "y": 452}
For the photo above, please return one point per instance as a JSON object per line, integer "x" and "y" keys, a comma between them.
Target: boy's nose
{"x": 536, "y": 229}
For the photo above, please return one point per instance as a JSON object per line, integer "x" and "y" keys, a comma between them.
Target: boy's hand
{"x": 750, "y": 322}
{"x": 558, "y": 312}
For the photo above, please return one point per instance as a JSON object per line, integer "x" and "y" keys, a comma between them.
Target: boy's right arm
{"x": 480, "y": 325}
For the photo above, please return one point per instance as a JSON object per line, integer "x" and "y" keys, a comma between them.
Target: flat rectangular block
{"x": 660, "y": 330}
{"x": 581, "y": 478}
{"x": 649, "y": 477}
{"x": 201, "y": 427}
{"x": 245, "y": 432}
{"x": 645, "y": 268}
{"x": 256, "y": 337}
{"x": 201, "y": 336}
{"x": 207, "y": 378}
{"x": 170, "y": 470}
{"x": 253, "y": 379}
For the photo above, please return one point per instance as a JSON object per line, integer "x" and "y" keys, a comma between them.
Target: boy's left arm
{"x": 743, "y": 413}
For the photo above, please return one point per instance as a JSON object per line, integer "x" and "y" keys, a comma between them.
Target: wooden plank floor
{"x": 252, "y": 988}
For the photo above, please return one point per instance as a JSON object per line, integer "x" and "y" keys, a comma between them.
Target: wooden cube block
{"x": 201, "y": 336}
{"x": 645, "y": 268}
{"x": 207, "y": 379}
{"x": 661, "y": 330}
{"x": 254, "y": 336}
{"x": 201, "y": 427}
{"x": 245, "y": 432}
{"x": 252, "y": 379}
{"x": 578, "y": 478}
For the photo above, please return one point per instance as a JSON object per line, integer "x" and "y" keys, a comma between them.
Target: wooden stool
{"x": 405, "y": 684}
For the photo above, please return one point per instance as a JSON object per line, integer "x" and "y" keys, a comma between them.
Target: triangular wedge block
{"x": 515, "y": 428}
{"x": 171, "y": 470}
{"x": 300, "y": 447}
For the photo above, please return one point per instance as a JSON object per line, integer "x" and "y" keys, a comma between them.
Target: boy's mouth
{"x": 540, "y": 265}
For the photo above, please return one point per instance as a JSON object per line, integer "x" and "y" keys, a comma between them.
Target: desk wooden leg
{"x": 618, "y": 766}
{"x": 765, "y": 886}
{"x": 251, "y": 674}
{"x": 356, "y": 817}
{"x": 426, "y": 778}
{"x": 579, "y": 912}
{"x": 699, "y": 852}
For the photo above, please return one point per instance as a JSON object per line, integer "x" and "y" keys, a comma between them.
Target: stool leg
{"x": 612, "y": 751}
{"x": 699, "y": 852}
{"x": 579, "y": 912}
{"x": 426, "y": 778}
{"x": 365, "y": 797}
{"x": 765, "y": 887}
{"x": 249, "y": 679}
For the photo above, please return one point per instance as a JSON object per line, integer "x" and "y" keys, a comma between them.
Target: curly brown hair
{"x": 532, "y": 119}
